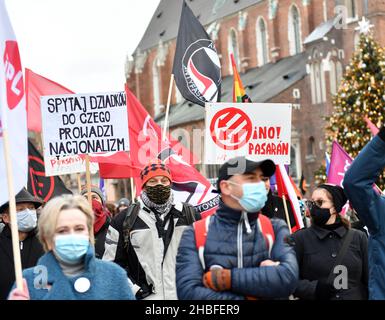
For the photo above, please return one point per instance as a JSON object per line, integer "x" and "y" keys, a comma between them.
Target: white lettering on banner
{"x": 255, "y": 130}
{"x": 84, "y": 123}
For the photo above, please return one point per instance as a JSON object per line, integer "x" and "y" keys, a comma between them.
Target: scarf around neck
{"x": 161, "y": 208}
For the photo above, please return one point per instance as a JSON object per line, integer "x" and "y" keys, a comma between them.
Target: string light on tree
{"x": 360, "y": 94}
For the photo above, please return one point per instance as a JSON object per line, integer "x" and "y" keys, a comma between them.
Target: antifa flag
{"x": 38, "y": 184}
{"x": 146, "y": 145}
{"x": 196, "y": 68}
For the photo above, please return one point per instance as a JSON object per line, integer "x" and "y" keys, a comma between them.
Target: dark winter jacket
{"x": 100, "y": 239}
{"x": 30, "y": 250}
{"x": 317, "y": 250}
{"x": 274, "y": 209}
{"x": 370, "y": 207}
{"x": 230, "y": 246}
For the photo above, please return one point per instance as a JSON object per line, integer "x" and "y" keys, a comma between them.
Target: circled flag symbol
{"x": 231, "y": 128}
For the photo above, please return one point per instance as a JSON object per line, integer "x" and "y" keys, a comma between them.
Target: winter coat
{"x": 100, "y": 239}
{"x": 149, "y": 261}
{"x": 30, "y": 251}
{"x": 107, "y": 280}
{"x": 370, "y": 207}
{"x": 230, "y": 246}
{"x": 274, "y": 209}
{"x": 317, "y": 250}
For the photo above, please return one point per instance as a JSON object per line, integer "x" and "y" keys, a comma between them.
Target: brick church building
{"x": 287, "y": 51}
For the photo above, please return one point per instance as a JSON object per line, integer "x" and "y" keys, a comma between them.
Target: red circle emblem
{"x": 231, "y": 128}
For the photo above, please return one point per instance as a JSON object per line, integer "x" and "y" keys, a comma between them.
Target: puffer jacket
{"x": 229, "y": 245}
{"x": 370, "y": 207}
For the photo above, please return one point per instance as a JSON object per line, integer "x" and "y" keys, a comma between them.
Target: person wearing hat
{"x": 238, "y": 260}
{"x": 328, "y": 244}
{"x": 30, "y": 247}
{"x": 123, "y": 203}
{"x": 102, "y": 218}
{"x": 144, "y": 238}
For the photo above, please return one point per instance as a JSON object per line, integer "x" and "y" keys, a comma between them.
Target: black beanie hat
{"x": 337, "y": 193}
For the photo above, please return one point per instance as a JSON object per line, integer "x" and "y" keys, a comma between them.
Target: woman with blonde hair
{"x": 69, "y": 270}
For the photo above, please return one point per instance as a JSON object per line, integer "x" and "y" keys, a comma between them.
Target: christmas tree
{"x": 361, "y": 94}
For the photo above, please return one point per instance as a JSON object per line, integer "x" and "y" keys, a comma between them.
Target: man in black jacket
{"x": 30, "y": 247}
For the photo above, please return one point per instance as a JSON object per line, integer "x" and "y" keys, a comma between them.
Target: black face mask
{"x": 320, "y": 215}
{"x": 158, "y": 194}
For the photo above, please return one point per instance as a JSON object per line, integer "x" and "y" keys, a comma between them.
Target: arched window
{"x": 262, "y": 44}
{"x": 311, "y": 146}
{"x": 156, "y": 87}
{"x": 295, "y": 42}
{"x": 233, "y": 48}
{"x": 339, "y": 72}
{"x": 178, "y": 96}
{"x": 333, "y": 77}
{"x": 352, "y": 9}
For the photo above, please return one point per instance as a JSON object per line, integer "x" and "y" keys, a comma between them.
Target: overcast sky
{"x": 81, "y": 44}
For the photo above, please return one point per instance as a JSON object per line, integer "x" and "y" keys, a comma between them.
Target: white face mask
{"x": 26, "y": 220}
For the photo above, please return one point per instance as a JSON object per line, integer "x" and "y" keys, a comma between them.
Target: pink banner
{"x": 340, "y": 162}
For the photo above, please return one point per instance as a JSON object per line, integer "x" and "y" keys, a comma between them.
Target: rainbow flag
{"x": 239, "y": 93}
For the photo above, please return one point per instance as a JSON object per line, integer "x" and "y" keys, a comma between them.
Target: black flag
{"x": 38, "y": 184}
{"x": 196, "y": 68}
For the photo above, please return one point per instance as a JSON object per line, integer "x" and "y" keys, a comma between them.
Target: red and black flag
{"x": 196, "y": 68}
{"x": 38, "y": 184}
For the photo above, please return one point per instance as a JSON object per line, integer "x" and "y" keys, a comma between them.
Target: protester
{"x": 123, "y": 203}
{"x": 370, "y": 207}
{"x": 238, "y": 259}
{"x": 274, "y": 207}
{"x": 144, "y": 238}
{"x": 321, "y": 251}
{"x": 30, "y": 247}
{"x": 102, "y": 219}
{"x": 69, "y": 270}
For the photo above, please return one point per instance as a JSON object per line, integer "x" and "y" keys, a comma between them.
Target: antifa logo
{"x": 13, "y": 74}
{"x": 202, "y": 70}
{"x": 41, "y": 186}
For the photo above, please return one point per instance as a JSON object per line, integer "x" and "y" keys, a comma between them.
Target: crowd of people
{"x": 158, "y": 248}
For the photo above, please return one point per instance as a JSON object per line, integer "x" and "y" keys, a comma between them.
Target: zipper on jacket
{"x": 239, "y": 243}
{"x": 21, "y": 245}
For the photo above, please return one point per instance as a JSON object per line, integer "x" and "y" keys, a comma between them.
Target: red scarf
{"x": 100, "y": 214}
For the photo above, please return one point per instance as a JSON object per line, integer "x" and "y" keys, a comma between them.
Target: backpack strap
{"x": 128, "y": 223}
{"x": 201, "y": 227}
{"x": 189, "y": 213}
{"x": 266, "y": 228}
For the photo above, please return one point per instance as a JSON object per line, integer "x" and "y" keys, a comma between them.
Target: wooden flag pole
{"x": 12, "y": 212}
{"x": 133, "y": 190}
{"x": 79, "y": 183}
{"x": 88, "y": 179}
{"x": 286, "y": 212}
{"x": 165, "y": 124}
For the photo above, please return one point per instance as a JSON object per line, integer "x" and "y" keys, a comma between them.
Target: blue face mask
{"x": 26, "y": 220}
{"x": 254, "y": 196}
{"x": 71, "y": 248}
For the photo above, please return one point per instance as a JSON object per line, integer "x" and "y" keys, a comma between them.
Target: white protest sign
{"x": 256, "y": 130}
{"x": 56, "y": 166}
{"x": 84, "y": 123}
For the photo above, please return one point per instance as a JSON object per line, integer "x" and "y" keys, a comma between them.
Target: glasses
{"x": 312, "y": 203}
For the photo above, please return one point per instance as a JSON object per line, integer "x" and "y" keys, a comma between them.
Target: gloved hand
{"x": 218, "y": 279}
{"x": 17, "y": 294}
{"x": 324, "y": 290}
